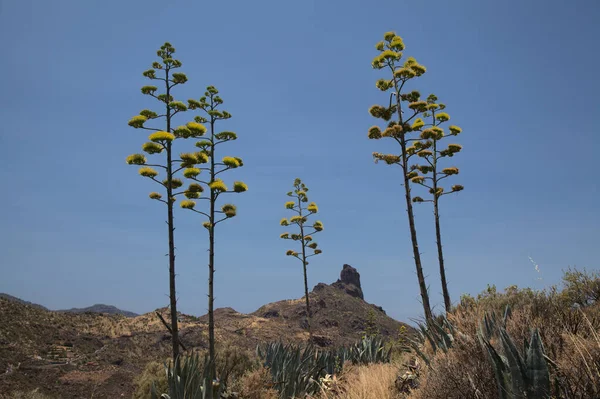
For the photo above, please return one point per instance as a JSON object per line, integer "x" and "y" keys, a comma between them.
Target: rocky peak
{"x": 349, "y": 281}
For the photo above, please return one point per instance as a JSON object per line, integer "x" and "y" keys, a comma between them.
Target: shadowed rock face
{"x": 349, "y": 281}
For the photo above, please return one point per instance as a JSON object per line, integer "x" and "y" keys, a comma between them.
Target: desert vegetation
{"x": 329, "y": 343}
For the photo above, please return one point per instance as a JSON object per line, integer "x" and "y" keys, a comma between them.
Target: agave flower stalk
{"x": 431, "y": 152}
{"x": 216, "y": 187}
{"x": 161, "y": 141}
{"x": 402, "y": 108}
{"x": 305, "y": 235}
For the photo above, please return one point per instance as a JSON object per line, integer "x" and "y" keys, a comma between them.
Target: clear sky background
{"x": 77, "y": 228}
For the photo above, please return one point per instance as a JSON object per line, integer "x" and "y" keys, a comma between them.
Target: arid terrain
{"x": 75, "y": 355}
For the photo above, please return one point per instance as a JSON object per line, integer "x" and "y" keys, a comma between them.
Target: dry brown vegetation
{"x": 568, "y": 321}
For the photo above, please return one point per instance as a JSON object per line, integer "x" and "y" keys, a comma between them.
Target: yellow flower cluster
{"x": 374, "y": 133}
{"x": 187, "y": 204}
{"x": 191, "y": 194}
{"x": 289, "y": 205}
{"x": 191, "y": 172}
{"x": 417, "y": 124}
{"x": 148, "y": 172}
{"x": 149, "y": 89}
{"x": 155, "y": 195}
{"x": 137, "y": 121}
{"x": 396, "y": 43}
{"x": 419, "y": 106}
{"x": 454, "y": 147}
{"x": 231, "y": 162}
{"x": 226, "y": 136}
{"x": 450, "y": 171}
{"x": 318, "y": 226}
{"x": 152, "y": 148}
{"x": 201, "y": 157}
{"x": 218, "y": 186}
{"x": 442, "y": 117}
{"x": 384, "y": 85}
{"x": 284, "y": 222}
{"x": 455, "y": 130}
{"x": 195, "y": 188}
{"x": 161, "y": 136}
{"x": 175, "y": 183}
{"x": 136, "y": 159}
{"x": 296, "y": 219}
{"x": 312, "y": 207}
{"x": 182, "y": 131}
{"x": 387, "y": 158}
{"x": 404, "y": 73}
{"x": 229, "y": 210}
{"x": 239, "y": 187}
{"x": 392, "y": 131}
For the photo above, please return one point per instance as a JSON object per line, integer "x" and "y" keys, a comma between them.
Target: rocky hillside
{"x": 15, "y": 299}
{"x": 70, "y": 355}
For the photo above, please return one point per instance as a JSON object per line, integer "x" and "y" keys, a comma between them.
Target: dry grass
{"x": 256, "y": 384}
{"x": 375, "y": 381}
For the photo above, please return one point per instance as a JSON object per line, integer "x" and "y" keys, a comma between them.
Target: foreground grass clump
{"x": 364, "y": 382}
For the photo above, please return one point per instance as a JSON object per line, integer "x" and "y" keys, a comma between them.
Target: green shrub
{"x": 154, "y": 372}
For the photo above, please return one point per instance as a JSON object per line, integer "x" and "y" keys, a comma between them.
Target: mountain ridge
{"x": 96, "y": 308}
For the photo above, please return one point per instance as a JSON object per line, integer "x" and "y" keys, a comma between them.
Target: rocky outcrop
{"x": 349, "y": 282}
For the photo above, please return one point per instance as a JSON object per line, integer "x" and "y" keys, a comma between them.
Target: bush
{"x": 569, "y": 335}
{"x": 255, "y": 384}
{"x": 154, "y": 372}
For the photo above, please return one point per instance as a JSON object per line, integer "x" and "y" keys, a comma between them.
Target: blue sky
{"x": 77, "y": 228}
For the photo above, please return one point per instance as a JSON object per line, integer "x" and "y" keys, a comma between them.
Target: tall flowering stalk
{"x": 304, "y": 235}
{"x": 161, "y": 141}
{"x": 402, "y": 108}
{"x": 431, "y": 151}
{"x": 209, "y": 104}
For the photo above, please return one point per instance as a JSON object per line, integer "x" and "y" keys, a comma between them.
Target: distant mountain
{"x": 15, "y": 299}
{"x": 100, "y": 308}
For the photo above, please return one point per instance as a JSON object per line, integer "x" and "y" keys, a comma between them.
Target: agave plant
{"x": 189, "y": 378}
{"x": 369, "y": 350}
{"x": 439, "y": 334}
{"x": 491, "y": 323}
{"x": 519, "y": 375}
{"x": 297, "y": 371}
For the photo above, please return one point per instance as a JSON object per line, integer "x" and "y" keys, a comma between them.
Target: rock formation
{"x": 349, "y": 282}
